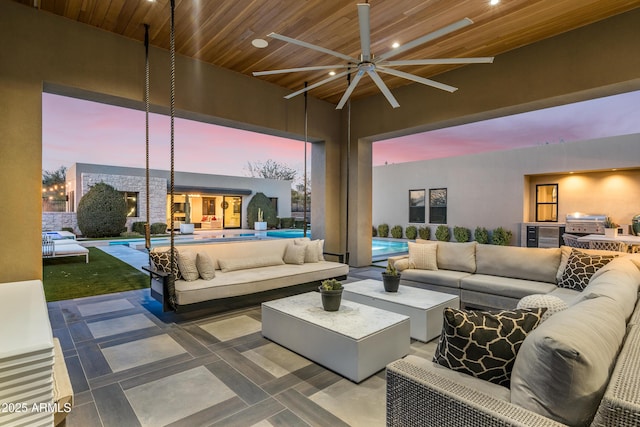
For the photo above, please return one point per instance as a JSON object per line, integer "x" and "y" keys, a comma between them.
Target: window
{"x": 274, "y": 203}
{"x": 132, "y": 203}
{"x": 208, "y": 206}
{"x": 416, "y": 206}
{"x": 438, "y": 205}
{"x": 547, "y": 203}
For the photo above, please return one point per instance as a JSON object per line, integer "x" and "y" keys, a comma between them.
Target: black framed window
{"x": 438, "y": 205}
{"x": 132, "y": 203}
{"x": 547, "y": 203}
{"x": 416, "y": 206}
{"x": 208, "y": 206}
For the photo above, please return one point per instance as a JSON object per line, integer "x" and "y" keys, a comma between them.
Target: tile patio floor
{"x": 132, "y": 365}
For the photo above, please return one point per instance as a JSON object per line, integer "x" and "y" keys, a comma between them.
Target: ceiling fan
{"x": 372, "y": 65}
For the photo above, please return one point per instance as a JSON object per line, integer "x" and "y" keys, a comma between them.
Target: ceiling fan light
{"x": 260, "y": 43}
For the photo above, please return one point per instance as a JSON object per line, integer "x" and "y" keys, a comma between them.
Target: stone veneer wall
{"x": 56, "y": 221}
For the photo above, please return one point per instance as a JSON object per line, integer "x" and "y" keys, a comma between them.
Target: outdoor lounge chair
{"x": 52, "y": 249}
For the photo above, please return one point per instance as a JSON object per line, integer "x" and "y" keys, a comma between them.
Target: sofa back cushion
{"x": 563, "y": 366}
{"x": 454, "y": 256}
{"x": 537, "y": 264}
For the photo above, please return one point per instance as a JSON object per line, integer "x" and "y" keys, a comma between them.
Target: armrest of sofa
{"x": 159, "y": 285}
{"x": 417, "y": 396}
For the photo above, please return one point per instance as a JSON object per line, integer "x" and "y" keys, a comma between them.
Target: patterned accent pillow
{"x": 552, "y": 303}
{"x": 580, "y": 268}
{"x": 484, "y": 344}
{"x": 423, "y": 257}
{"x": 206, "y": 267}
{"x": 161, "y": 261}
{"x": 187, "y": 266}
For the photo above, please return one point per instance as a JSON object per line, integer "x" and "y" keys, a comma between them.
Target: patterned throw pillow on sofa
{"x": 581, "y": 267}
{"x": 162, "y": 260}
{"x": 484, "y": 344}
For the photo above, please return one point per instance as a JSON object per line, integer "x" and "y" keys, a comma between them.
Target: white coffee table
{"x": 422, "y": 306}
{"x": 356, "y": 341}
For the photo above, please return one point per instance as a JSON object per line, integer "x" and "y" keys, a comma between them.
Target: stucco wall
{"x": 497, "y": 189}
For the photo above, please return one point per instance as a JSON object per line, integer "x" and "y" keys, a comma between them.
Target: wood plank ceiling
{"x": 220, "y": 31}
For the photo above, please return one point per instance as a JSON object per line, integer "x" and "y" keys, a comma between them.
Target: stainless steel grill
{"x": 579, "y": 223}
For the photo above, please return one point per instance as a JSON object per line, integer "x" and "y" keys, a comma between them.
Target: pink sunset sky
{"x": 78, "y": 131}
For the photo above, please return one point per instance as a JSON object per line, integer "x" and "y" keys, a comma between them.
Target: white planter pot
{"x": 611, "y": 232}
{"x": 260, "y": 225}
{"x": 186, "y": 228}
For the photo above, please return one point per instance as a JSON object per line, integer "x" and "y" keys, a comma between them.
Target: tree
{"x": 102, "y": 212}
{"x": 271, "y": 170}
{"x": 54, "y": 193}
{"x": 56, "y": 177}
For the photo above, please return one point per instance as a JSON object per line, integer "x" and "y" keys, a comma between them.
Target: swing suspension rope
{"x": 147, "y": 226}
{"x": 172, "y": 50}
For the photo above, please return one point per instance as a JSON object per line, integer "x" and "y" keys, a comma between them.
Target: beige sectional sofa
{"x": 578, "y": 367}
{"x": 242, "y": 268}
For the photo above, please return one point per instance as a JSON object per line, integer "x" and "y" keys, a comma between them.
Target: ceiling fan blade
{"x": 315, "y": 85}
{"x": 365, "y": 31}
{"x": 479, "y": 60}
{"x": 295, "y": 70}
{"x": 383, "y": 88}
{"x": 428, "y": 37}
{"x": 350, "y": 89}
{"x": 417, "y": 79}
{"x": 312, "y": 46}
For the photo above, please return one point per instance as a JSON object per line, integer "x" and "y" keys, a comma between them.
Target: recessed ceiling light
{"x": 260, "y": 43}
{"x": 494, "y": 2}
{"x": 395, "y": 45}
{"x": 332, "y": 73}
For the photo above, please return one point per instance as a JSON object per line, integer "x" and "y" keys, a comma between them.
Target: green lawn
{"x": 70, "y": 277}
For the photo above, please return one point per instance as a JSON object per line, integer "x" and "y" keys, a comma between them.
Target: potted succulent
{"x": 331, "y": 291}
{"x": 260, "y": 224}
{"x": 391, "y": 278}
{"x": 610, "y": 228}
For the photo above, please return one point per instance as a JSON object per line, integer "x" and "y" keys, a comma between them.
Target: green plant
{"x": 130, "y": 234}
{"x": 424, "y": 233}
{"x": 331, "y": 285}
{"x": 481, "y": 235}
{"x": 396, "y": 232}
{"x": 69, "y": 229}
{"x": 286, "y": 222}
{"x": 138, "y": 227}
{"x": 462, "y": 234}
{"x": 608, "y": 223}
{"x": 391, "y": 269}
{"x": 500, "y": 236}
{"x": 261, "y": 203}
{"x": 411, "y": 232}
{"x": 383, "y": 230}
{"x": 158, "y": 228}
{"x": 260, "y": 215}
{"x": 102, "y": 212}
{"x": 374, "y": 231}
{"x": 442, "y": 233}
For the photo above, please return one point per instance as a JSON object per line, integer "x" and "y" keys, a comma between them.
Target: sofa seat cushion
{"x": 505, "y": 286}
{"x": 244, "y": 282}
{"x": 484, "y": 344}
{"x": 448, "y": 278}
{"x": 563, "y": 366}
{"x": 536, "y": 264}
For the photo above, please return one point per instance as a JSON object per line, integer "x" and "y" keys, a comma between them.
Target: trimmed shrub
{"x": 396, "y": 232}
{"x": 138, "y": 227}
{"x": 158, "y": 228}
{"x": 411, "y": 232}
{"x": 69, "y": 229}
{"x": 130, "y": 234}
{"x": 383, "y": 230}
{"x": 260, "y": 201}
{"x": 298, "y": 223}
{"x": 286, "y": 222}
{"x": 500, "y": 236}
{"x": 442, "y": 233}
{"x": 461, "y": 234}
{"x": 102, "y": 212}
{"x": 481, "y": 235}
{"x": 374, "y": 231}
{"x": 424, "y": 233}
